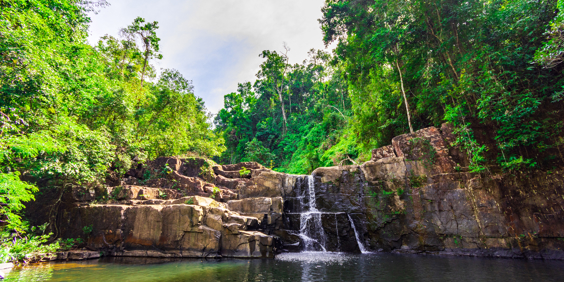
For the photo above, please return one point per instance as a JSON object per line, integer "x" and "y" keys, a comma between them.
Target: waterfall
{"x": 310, "y": 222}
{"x": 311, "y": 189}
{"x": 337, "y": 228}
{"x": 360, "y": 245}
{"x": 312, "y": 235}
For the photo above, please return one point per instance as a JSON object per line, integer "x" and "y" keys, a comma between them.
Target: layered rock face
{"x": 189, "y": 227}
{"x": 169, "y": 209}
{"x": 413, "y": 196}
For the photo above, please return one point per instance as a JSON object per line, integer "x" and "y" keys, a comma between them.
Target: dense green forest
{"x": 73, "y": 114}
{"x": 490, "y": 68}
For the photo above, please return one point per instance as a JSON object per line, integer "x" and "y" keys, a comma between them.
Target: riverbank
{"x": 297, "y": 267}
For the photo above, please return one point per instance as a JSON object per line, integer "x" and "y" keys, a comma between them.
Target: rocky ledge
{"x": 191, "y": 226}
{"x": 166, "y": 208}
{"x": 413, "y": 196}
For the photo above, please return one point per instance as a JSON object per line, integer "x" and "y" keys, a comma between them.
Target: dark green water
{"x": 298, "y": 267}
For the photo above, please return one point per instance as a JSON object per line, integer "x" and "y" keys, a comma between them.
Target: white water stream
{"x": 311, "y": 227}
{"x": 360, "y": 245}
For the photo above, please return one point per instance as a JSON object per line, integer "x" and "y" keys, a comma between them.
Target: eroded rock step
{"x": 185, "y": 227}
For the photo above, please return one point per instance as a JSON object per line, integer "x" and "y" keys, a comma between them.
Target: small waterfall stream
{"x": 360, "y": 244}
{"x": 310, "y": 222}
{"x": 311, "y": 230}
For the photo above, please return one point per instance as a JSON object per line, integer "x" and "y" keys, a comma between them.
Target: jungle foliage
{"x": 491, "y": 68}
{"x": 74, "y": 114}
{"x": 290, "y": 117}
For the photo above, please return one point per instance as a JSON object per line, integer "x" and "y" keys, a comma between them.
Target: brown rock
{"x": 264, "y": 183}
{"x": 192, "y": 184}
{"x": 231, "y": 183}
{"x": 334, "y": 173}
{"x": 228, "y": 174}
{"x": 389, "y": 169}
{"x": 170, "y": 230}
{"x": 457, "y": 155}
{"x": 77, "y": 255}
{"x": 239, "y": 166}
{"x": 258, "y": 208}
{"x": 256, "y": 205}
{"x": 248, "y": 244}
{"x": 207, "y": 202}
{"x": 383, "y": 152}
{"x": 425, "y": 145}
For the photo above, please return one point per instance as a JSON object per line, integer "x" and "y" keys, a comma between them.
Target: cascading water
{"x": 316, "y": 230}
{"x": 360, "y": 245}
{"x": 311, "y": 227}
{"x": 337, "y": 229}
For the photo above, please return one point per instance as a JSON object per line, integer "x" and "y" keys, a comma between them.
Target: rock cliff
{"x": 413, "y": 196}
{"x": 175, "y": 207}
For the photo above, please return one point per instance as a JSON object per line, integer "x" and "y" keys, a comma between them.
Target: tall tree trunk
{"x": 122, "y": 66}
{"x": 404, "y": 98}
{"x": 290, "y": 99}
{"x": 342, "y": 100}
{"x": 144, "y": 66}
{"x": 283, "y": 110}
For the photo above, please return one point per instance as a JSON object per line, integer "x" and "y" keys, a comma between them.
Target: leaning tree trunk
{"x": 404, "y": 98}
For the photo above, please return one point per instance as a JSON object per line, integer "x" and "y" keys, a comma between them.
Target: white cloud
{"x": 216, "y": 43}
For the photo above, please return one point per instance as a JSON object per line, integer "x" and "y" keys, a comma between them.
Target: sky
{"x": 216, "y": 43}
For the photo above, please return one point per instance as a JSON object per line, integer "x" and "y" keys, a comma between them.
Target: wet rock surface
{"x": 409, "y": 198}
{"x": 414, "y": 205}
{"x": 413, "y": 200}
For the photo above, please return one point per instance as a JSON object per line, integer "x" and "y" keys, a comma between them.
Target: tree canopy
{"x": 73, "y": 114}
{"x": 490, "y": 68}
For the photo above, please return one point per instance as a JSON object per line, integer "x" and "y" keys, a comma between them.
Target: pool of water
{"x": 297, "y": 267}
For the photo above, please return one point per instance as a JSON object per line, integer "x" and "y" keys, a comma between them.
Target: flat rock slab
{"x": 78, "y": 255}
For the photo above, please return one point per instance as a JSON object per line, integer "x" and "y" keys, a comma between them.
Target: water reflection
{"x": 314, "y": 266}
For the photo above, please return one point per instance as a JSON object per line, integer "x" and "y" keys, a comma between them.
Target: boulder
{"x": 206, "y": 202}
{"x": 239, "y": 166}
{"x": 78, "y": 255}
{"x": 229, "y": 174}
{"x": 333, "y": 174}
{"x": 248, "y": 244}
{"x": 83, "y": 194}
{"x": 388, "y": 169}
{"x": 426, "y": 145}
{"x": 263, "y": 183}
{"x": 458, "y": 155}
{"x": 191, "y": 184}
{"x": 133, "y": 192}
{"x": 260, "y": 208}
{"x": 383, "y": 152}
{"x": 231, "y": 183}
{"x": 257, "y": 205}
{"x": 337, "y": 189}
{"x": 170, "y": 229}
